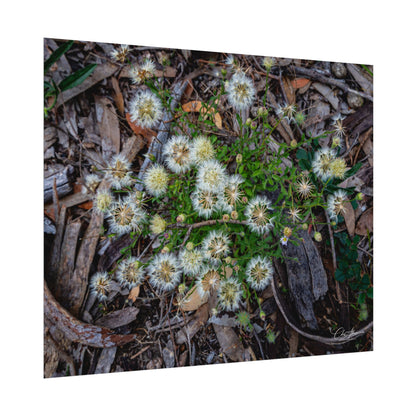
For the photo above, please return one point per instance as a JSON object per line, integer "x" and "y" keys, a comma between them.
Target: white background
{"x": 353, "y": 31}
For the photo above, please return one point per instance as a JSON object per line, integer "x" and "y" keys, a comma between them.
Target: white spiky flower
{"x": 259, "y": 272}
{"x": 202, "y": 150}
{"x": 156, "y": 180}
{"x": 191, "y": 261}
{"x": 140, "y": 73}
{"x": 240, "y": 91}
{"x": 120, "y": 54}
{"x": 337, "y": 123}
{"x": 130, "y": 272}
{"x": 91, "y": 183}
{"x": 211, "y": 176}
{"x": 294, "y": 214}
{"x": 215, "y": 246}
{"x": 204, "y": 202}
{"x": 102, "y": 201}
{"x": 337, "y": 204}
{"x": 258, "y": 216}
{"x": 157, "y": 224}
{"x": 177, "y": 152}
{"x": 138, "y": 198}
{"x": 208, "y": 281}
{"x": 229, "y": 294}
{"x": 288, "y": 111}
{"x": 124, "y": 217}
{"x": 231, "y": 194}
{"x": 119, "y": 173}
{"x": 321, "y": 164}
{"x": 338, "y": 168}
{"x": 304, "y": 187}
{"x": 164, "y": 271}
{"x": 145, "y": 109}
{"x": 100, "y": 285}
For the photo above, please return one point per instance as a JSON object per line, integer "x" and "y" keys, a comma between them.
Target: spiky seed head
{"x": 338, "y": 168}
{"x": 156, "y": 180}
{"x": 304, "y": 187}
{"x": 321, "y": 164}
{"x": 259, "y": 272}
{"x": 229, "y": 294}
{"x": 130, "y": 272}
{"x": 191, "y": 260}
{"x": 177, "y": 152}
{"x": 204, "y": 202}
{"x": 119, "y": 173}
{"x": 145, "y": 109}
{"x": 258, "y": 215}
{"x": 140, "y": 73}
{"x": 120, "y": 54}
{"x": 211, "y": 176}
{"x": 124, "y": 217}
{"x": 164, "y": 271}
{"x": 231, "y": 194}
{"x": 157, "y": 224}
{"x": 202, "y": 150}
{"x": 208, "y": 281}
{"x": 337, "y": 204}
{"x": 241, "y": 91}
{"x": 216, "y": 246}
{"x": 100, "y": 285}
{"x": 91, "y": 183}
{"x": 102, "y": 201}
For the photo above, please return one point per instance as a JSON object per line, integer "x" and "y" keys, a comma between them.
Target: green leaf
{"x": 77, "y": 77}
{"x": 353, "y": 170}
{"x": 339, "y": 275}
{"x": 56, "y": 55}
{"x": 302, "y": 154}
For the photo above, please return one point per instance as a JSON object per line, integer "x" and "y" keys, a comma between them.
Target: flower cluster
{"x": 327, "y": 165}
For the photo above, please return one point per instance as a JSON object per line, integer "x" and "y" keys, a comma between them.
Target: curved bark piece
{"x": 77, "y": 331}
{"x": 334, "y": 340}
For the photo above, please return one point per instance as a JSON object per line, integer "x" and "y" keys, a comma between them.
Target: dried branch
{"x": 78, "y": 331}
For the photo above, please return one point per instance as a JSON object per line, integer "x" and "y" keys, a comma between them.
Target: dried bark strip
{"x": 334, "y": 340}
{"x": 64, "y": 180}
{"x": 77, "y": 331}
{"x": 311, "y": 73}
{"x": 63, "y": 287}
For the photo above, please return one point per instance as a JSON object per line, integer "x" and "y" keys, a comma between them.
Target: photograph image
{"x": 203, "y": 207}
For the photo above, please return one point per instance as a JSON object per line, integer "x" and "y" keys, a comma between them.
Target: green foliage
{"x": 349, "y": 271}
{"x": 71, "y": 81}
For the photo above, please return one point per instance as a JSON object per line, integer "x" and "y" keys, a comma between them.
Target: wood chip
{"x": 349, "y": 217}
{"x": 134, "y": 293}
{"x": 361, "y": 77}
{"x": 118, "y": 318}
{"x": 106, "y": 360}
{"x": 289, "y": 91}
{"x": 117, "y": 95}
{"x": 64, "y": 285}
{"x": 198, "y": 320}
{"x": 108, "y": 127}
{"x": 328, "y": 94}
{"x": 365, "y": 222}
{"x": 230, "y": 343}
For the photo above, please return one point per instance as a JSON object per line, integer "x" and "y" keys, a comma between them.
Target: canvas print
{"x": 203, "y": 207}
